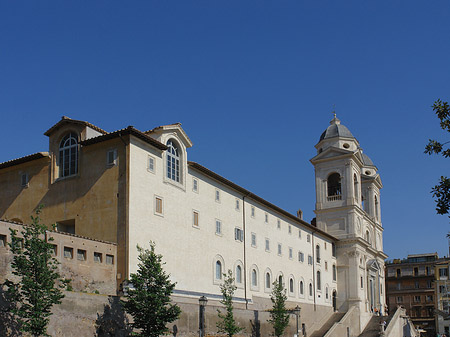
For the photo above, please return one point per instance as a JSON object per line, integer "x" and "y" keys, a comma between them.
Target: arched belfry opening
{"x": 334, "y": 187}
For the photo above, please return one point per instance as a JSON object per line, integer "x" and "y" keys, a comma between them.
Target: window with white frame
{"x": 217, "y": 195}
{"x": 218, "y": 227}
{"x": 68, "y": 155}
{"x": 290, "y": 229}
{"x": 195, "y": 218}
{"x": 218, "y": 270}
{"x": 195, "y": 185}
{"x": 334, "y": 272}
{"x": 238, "y": 234}
{"x": 254, "y": 278}
{"x": 253, "y": 211}
{"x": 268, "y": 283}
{"x": 158, "y": 205}
{"x": 301, "y": 290}
{"x": 111, "y": 157}
{"x": 319, "y": 281}
{"x": 290, "y": 253}
{"x": 310, "y": 289}
{"x": 267, "y": 245}
{"x": 253, "y": 240}
{"x": 151, "y": 164}
{"x": 317, "y": 253}
{"x": 238, "y": 274}
{"x": 308, "y": 238}
{"x": 173, "y": 161}
{"x": 279, "y": 249}
{"x": 291, "y": 285}
{"x": 301, "y": 257}
{"x": 310, "y": 259}
{"x": 238, "y": 205}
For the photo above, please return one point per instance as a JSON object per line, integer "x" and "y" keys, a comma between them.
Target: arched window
{"x": 173, "y": 161}
{"x": 310, "y": 289}
{"x": 291, "y": 285}
{"x": 355, "y": 186}
{"x": 317, "y": 253}
{"x": 280, "y": 279}
{"x": 319, "y": 283}
{"x": 68, "y": 155}
{"x": 238, "y": 274}
{"x": 333, "y": 249}
{"x": 218, "y": 270}
{"x": 254, "y": 278}
{"x": 326, "y": 293}
{"x": 334, "y": 187}
{"x": 267, "y": 280}
{"x": 301, "y": 288}
{"x": 376, "y": 208}
{"x": 334, "y": 272}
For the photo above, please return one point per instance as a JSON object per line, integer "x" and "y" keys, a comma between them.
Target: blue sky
{"x": 252, "y": 82}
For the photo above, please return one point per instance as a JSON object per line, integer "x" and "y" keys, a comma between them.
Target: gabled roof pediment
{"x": 171, "y": 128}
{"x": 66, "y": 120}
{"x": 331, "y": 152}
{"x": 373, "y": 264}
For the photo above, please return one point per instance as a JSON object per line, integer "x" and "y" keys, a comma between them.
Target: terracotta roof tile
{"x": 25, "y": 159}
{"x": 65, "y": 120}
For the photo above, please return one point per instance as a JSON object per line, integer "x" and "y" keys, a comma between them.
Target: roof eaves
{"x": 25, "y": 159}
{"x": 65, "y": 120}
{"x": 249, "y": 194}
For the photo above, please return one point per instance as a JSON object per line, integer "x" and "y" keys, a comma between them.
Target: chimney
{"x": 300, "y": 214}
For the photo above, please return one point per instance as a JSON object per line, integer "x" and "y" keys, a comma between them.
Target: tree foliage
{"x": 279, "y": 316}
{"x": 37, "y": 289}
{"x": 148, "y": 300}
{"x": 441, "y": 192}
{"x": 227, "y": 322}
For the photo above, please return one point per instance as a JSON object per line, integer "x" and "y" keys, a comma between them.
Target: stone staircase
{"x": 373, "y": 327}
{"x": 336, "y": 317}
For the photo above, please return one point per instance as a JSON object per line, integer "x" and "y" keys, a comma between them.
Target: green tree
{"x": 227, "y": 323}
{"x": 441, "y": 192}
{"x": 279, "y": 316}
{"x": 148, "y": 300}
{"x": 36, "y": 290}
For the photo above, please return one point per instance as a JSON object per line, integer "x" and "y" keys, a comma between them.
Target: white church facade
{"x": 132, "y": 187}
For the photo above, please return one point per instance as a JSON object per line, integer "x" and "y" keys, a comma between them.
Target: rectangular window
{"x": 81, "y": 255}
{"x": 68, "y": 252}
{"x": 310, "y": 260}
{"x": 97, "y": 257}
{"x": 301, "y": 257}
{"x": 238, "y": 234}
{"x": 218, "y": 227}
{"x": 417, "y": 298}
{"x": 24, "y": 180}
{"x": 253, "y": 211}
{"x": 299, "y": 234}
{"x": 429, "y": 298}
{"x": 279, "y": 249}
{"x": 2, "y": 240}
{"x": 253, "y": 240}
{"x": 267, "y": 245}
{"x": 109, "y": 259}
{"x": 238, "y": 205}
{"x": 290, "y": 229}
{"x": 326, "y": 265}
{"x": 53, "y": 250}
{"x": 308, "y": 238}
{"x": 195, "y": 185}
{"x": 399, "y": 299}
{"x": 217, "y": 198}
{"x": 151, "y": 164}
{"x": 195, "y": 218}
{"x": 362, "y": 282}
{"x": 158, "y": 205}
{"x": 111, "y": 157}
{"x": 416, "y": 285}
{"x": 290, "y": 253}
{"x": 266, "y": 218}
{"x": 429, "y": 284}
{"x": 443, "y": 272}
{"x": 278, "y": 224}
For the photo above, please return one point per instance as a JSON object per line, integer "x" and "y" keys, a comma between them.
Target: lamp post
{"x": 201, "y": 324}
{"x": 297, "y": 310}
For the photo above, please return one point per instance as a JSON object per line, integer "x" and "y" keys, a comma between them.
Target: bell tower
{"x": 348, "y": 207}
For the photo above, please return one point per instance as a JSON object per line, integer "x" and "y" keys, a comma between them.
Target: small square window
{"x": 218, "y": 227}
{"x": 98, "y": 257}
{"x": 238, "y": 234}
{"x": 238, "y": 205}
{"x": 24, "y": 179}
{"x": 195, "y": 185}
{"x": 158, "y": 205}
{"x": 53, "y": 250}
{"x": 151, "y": 164}
{"x": 290, "y": 229}
{"x": 2, "y": 240}
{"x": 267, "y": 245}
{"x": 195, "y": 216}
{"x": 279, "y": 249}
{"x": 253, "y": 240}
{"x": 111, "y": 157}
{"x": 290, "y": 253}
{"x": 68, "y": 252}
{"x": 217, "y": 196}
{"x": 109, "y": 259}
{"x": 81, "y": 255}
{"x": 253, "y": 211}
{"x": 266, "y": 218}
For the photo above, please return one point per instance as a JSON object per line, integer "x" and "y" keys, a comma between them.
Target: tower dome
{"x": 336, "y": 129}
